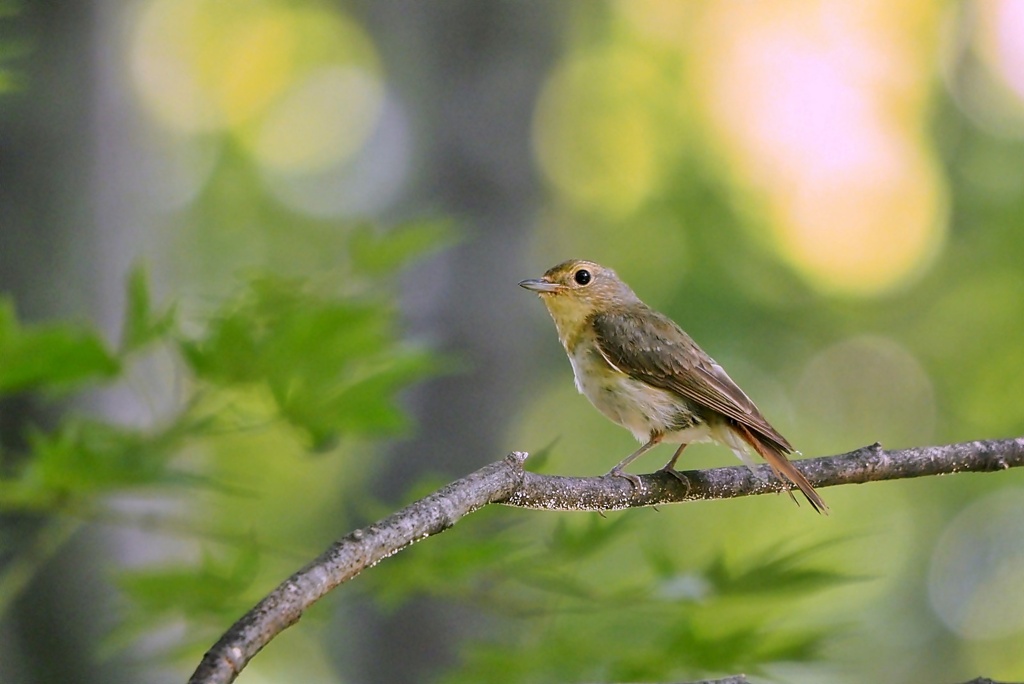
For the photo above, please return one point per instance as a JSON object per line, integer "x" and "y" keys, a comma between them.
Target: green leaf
{"x": 332, "y": 365}
{"x": 538, "y": 460}
{"x": 52, "y": 356}
{"x": 278, "y": 329}
{"x": 376, "y": 251}
{"x": 775, "y": 572}
{"x": 141, "y": 324}
{"x": 215, "y": 587}
{"x": 447, "y": 570}
{"x": 215, "y": 591}
{"x": 366, "y": 405}
{"x": 572, "y": 540}
{"x": 86, "y": 456}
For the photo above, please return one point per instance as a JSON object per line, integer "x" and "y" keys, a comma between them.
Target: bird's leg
{"x": 670, "y": 467}
{"x": 618, "y": 471}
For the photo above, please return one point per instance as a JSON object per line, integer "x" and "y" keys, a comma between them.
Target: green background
{"x": 259, "y": 263}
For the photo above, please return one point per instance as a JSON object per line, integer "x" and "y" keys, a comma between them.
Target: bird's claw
{"x": 633, "y": 479}
{"x": 678, "y": 475}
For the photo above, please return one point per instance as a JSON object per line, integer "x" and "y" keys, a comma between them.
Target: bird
{"x": 643, "y": 372}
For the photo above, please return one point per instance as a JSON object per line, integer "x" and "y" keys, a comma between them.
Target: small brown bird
{"x": 639, "y": 368}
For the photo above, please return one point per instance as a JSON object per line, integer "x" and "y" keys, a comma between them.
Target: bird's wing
{"x": 650, "y": 347}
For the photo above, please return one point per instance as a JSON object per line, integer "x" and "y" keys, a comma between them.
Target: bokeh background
{"x": 829, "y": 196}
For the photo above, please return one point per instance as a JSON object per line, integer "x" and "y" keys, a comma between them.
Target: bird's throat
{"x": 571, "y": 320}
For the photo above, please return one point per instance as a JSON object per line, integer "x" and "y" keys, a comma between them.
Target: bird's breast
{"x": 640, "y": 408}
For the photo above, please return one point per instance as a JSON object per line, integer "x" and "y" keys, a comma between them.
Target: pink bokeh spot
{"x": 818, "y": 110}
{"x": 813, "y": 110}
{"x": 1009, "y": 27}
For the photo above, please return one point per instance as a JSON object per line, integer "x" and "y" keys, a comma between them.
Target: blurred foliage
{"x": 570, "y": 615}
{"x": 330, "y": 360}
{"x": 209, "y": 594}
{"x": 49, "y": 357}
{"x": 347, "y": 385}
{"x": 11, "y": 49}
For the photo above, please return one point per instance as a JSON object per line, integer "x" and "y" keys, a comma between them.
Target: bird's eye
{"x": 582, "y": 276}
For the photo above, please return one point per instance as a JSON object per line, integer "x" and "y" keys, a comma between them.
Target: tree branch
{"x": 507, "y": 483}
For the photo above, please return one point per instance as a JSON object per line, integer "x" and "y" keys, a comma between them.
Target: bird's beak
{"x": 540, "y": 285}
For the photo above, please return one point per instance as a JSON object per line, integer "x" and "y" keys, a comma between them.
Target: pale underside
{"x": 647, "y": 411}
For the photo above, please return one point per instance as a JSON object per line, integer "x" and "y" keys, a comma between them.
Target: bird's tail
{"x": 782, "y": 467}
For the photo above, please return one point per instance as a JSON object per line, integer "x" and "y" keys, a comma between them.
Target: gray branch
{"x": 506, "y": 482}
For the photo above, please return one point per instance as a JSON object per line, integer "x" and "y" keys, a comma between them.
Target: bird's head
{"x": 575, "y": 290}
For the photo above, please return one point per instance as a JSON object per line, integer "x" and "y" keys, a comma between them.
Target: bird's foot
{"x": 676, "y": 474}
{"x": 619, "y": 472}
